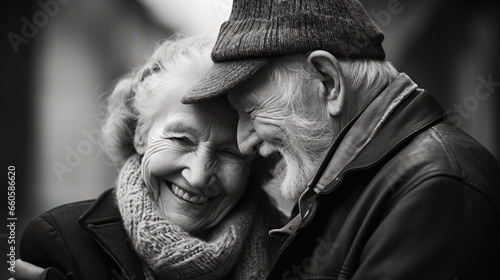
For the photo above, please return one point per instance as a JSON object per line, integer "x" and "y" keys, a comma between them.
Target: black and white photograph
{"x": 250, "y": 139}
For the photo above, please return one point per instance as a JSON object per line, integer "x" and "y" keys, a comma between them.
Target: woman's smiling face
{"x": 193, "y": 164}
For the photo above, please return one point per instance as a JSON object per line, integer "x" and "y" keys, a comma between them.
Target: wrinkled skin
{"x": 193, "y": 153}
{"x": 268, "y": 125}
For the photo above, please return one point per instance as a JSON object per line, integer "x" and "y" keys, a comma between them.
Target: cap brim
{"x": 223, "y": 77}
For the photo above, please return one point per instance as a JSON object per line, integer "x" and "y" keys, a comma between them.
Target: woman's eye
{"x": 181, "y": 140}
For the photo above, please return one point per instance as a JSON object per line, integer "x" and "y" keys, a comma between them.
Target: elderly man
{"x": 389, "y": 189}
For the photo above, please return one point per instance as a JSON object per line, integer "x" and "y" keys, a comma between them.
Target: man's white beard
{"x": 307, "y": 141}
{"x": 291, "y": 170}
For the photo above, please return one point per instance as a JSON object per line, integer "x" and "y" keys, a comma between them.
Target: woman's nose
{"x": 248, "y": 139}
{"x": 199, "y": 171}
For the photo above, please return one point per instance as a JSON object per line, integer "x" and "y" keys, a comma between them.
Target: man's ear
{"x": 328, "y": 80}
{"x": 139, "y": 143}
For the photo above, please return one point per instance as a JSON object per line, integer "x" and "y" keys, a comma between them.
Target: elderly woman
{"x": 181, "y": 208}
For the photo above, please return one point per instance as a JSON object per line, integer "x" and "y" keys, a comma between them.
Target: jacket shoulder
{"x": 68, "y": 213}
{"x": 446, "y": 151}
{"x": 447, "y": 148}
{"x": 56, "y": 239}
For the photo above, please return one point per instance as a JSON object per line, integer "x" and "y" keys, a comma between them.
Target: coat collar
{"x": 366, "y": 127}
{"x": 396, "y": 115}
{"x": 103, "y": 221}
{"x": 103, "y": 211}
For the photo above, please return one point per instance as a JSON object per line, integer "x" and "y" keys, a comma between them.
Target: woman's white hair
{"x": 141, "y": 95}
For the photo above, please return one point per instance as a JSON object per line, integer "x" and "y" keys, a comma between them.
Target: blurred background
{"x": 60, "y": 57}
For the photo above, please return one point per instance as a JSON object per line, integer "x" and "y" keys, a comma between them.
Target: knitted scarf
{"x": 227, "y": 251}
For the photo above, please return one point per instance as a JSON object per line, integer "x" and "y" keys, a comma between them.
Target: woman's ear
{"x": 140, "y": 143}
{"x": 328, "y": 80}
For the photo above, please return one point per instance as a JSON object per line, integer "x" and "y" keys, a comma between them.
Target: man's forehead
{"x": 241, "y": 100}
{"x": 250, "y": 93}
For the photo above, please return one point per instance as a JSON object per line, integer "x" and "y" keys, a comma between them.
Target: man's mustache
{"x": 269, "y": 150}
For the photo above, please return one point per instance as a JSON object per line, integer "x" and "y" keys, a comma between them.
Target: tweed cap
{"x": 259, "y": 30}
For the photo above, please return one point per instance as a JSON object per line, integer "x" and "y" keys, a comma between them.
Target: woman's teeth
{"x": 188, "y": 196}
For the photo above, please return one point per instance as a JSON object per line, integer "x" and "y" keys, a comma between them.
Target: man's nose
{"x": 248, "y": 140}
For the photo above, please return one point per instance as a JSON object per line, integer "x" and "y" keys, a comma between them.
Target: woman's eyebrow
{"x": 180, "y": 127}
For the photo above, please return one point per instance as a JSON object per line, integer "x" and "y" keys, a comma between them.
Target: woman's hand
{"x": 27, "y": 271}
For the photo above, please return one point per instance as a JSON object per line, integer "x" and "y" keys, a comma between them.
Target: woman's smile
{"x": 187, "y": 195}
{"x": 193, "y": 155}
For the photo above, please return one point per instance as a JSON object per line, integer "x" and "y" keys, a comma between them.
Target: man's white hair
{"x": 364, "y": 79}
{"x": 308, "y": 135}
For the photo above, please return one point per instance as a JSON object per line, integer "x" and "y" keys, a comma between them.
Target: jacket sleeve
{"x": 43, "y": 245}
{"x": 441, "y": 229}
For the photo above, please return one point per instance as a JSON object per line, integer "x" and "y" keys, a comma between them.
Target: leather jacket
{"x": 419, "y": 199}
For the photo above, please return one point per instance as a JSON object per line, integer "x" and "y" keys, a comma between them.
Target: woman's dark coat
{"x": 85, "y": 240}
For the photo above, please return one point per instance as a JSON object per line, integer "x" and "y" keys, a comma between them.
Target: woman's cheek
{"x": 235, "y": 177}
{"x": 163, "y": 161}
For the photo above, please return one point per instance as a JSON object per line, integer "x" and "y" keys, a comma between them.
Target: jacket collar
{"x": 103, "y": 211}
{"x": 103, "y": 221}
{"x": 366, "y": 127}
{"x": 397, "y": 113}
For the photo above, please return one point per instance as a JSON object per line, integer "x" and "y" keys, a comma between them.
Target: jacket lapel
{"x": 104, "y": 223}
{"x": 415, "y": 114}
